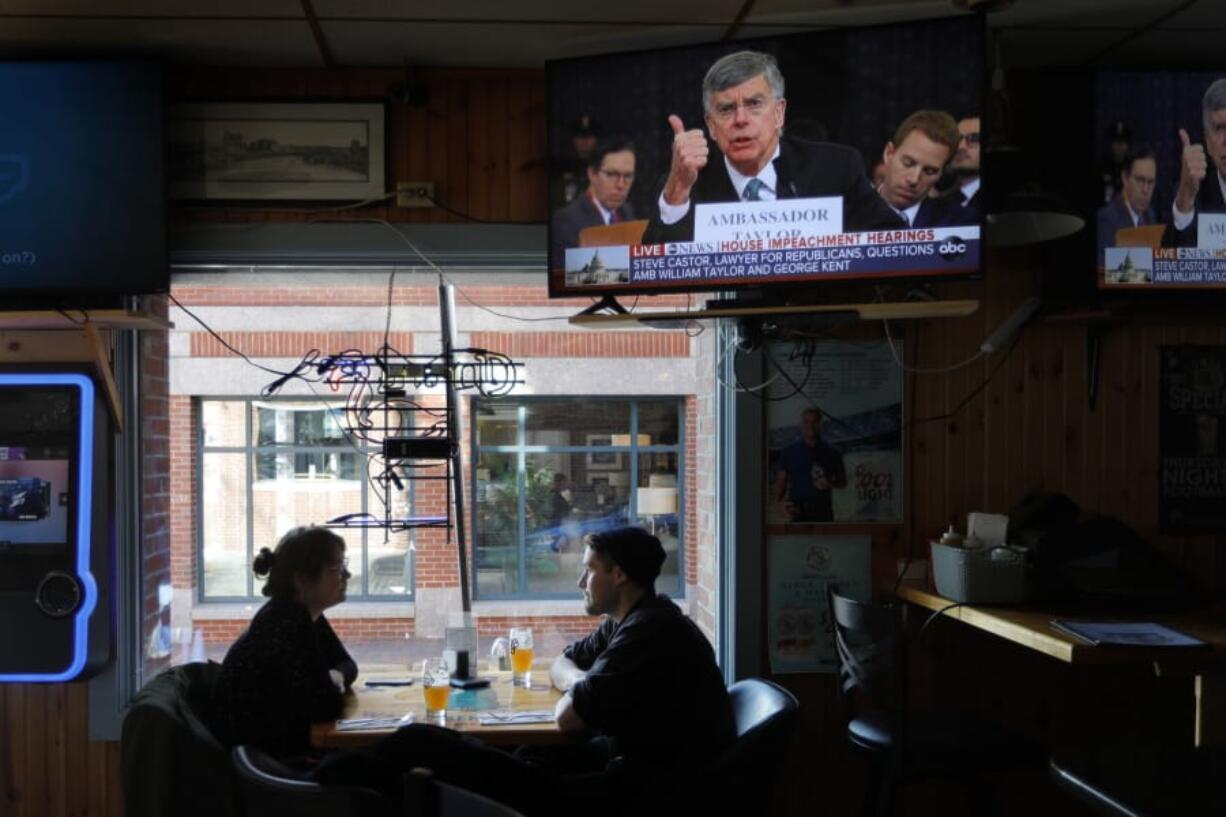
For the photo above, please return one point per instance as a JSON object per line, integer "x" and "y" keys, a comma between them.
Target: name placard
{"x": 1211, "y": 231}
{"x": 760, "y": 220}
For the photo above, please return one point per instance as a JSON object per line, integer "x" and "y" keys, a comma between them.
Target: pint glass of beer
{"x": 435, "y": 687}
{"x": 521, "y": 656}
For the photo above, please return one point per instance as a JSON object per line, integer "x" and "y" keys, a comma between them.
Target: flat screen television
{"x": 82, "y": 191}
{"x": 1161, "y": 220}
{"x": 696, "y": 129}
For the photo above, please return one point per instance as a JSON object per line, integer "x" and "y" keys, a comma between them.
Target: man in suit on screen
{"x": 610, "y": 174}
{"x": 1130, "y": 207}
{"x": 742, "y": 95}
{"x": 1199, "y": 190}
{"x": 914, "y": 160}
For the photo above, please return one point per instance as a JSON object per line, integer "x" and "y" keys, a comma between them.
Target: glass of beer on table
{"x": 521, "y": 656}
{"x": 436, "y": 688}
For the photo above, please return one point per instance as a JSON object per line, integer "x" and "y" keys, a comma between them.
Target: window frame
{"x": 521, "y": 450}
{"x": 250, "y": 450}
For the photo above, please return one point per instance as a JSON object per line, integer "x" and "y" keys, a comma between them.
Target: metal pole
{"x": 446, "y": 302}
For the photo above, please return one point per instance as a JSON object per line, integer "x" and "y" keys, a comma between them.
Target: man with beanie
{"x": 646, "y": 677}
{"x": 644, "y": 683}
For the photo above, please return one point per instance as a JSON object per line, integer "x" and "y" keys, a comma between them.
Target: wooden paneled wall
{"x": 48, "y": 765}
{"x": 480, "y": 137}
{"x": 481, "y": 140}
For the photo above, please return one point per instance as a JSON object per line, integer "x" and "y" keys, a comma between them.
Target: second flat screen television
{"x": 836, "y": 155}
{"x": 1161, "y": 223}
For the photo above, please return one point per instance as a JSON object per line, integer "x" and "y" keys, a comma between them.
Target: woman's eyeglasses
{"x": 343, "y": 567}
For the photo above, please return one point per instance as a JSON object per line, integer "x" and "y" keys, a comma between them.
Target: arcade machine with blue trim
{"x": 55, "y": 542}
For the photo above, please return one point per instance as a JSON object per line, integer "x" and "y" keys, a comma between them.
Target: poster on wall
{"x": 799, "y": 631}
{"x": 834, "y": 433}
{"x": 1192, "y": 430}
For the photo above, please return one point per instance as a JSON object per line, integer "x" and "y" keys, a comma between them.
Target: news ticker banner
{"x": 1204, "y": 264}
{"x": 936, "y": 250}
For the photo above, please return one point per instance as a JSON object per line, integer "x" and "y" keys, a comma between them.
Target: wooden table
{"x": 369, "y": 702}
{"x": 1031, "y": 627}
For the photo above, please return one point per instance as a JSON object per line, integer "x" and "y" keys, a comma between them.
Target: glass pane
{"x": 287, "y": 502}
{"x": 577, "y": 422}
{"x": 551, "y": 553}
{"x": 308, "y": 465}
{"x": 497, "y": 423}
{"x": 297, "y": 424}
{"x": 353, "y": 552}
{"x": 223, "y": 524}
{"x": 659, "y": 504}
{"x": 565, "y": 501}
{"x": 658, "y": 423}
{"x": 389, "y": 566}
{"x": 223, "y": 423}
{"x": 496, "y": 538}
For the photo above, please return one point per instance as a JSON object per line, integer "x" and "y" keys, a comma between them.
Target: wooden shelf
{"x": 71, "y": 319}
{"x": 865, "y": 312}
{"x": 51, "y": 337}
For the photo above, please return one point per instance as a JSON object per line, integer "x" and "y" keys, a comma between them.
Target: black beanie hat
{"x": 639, "y": 554}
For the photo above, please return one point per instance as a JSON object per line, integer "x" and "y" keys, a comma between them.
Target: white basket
{"x": 974, "y": 577}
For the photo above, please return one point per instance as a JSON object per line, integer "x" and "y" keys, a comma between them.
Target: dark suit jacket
{"x": 1115, "y": 216}
{"x": 940, "y": 213}
{"x": 1208, "y": 200}
{"x": 965, "y": 212}
{"x": 804, "y": 170}
{"x": 569, "y": 220}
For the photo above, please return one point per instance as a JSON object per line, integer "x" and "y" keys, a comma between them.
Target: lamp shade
{"x": 657, "y": 501}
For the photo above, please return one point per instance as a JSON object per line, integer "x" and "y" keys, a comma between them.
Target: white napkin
{"x": 501, "y": 717}
{"x": 357, "y": 724}
{"x": 989, "y": 528}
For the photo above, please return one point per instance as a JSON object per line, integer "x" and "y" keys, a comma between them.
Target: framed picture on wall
{"x": 603, "y": 460}
{"x": 285, "y": 151}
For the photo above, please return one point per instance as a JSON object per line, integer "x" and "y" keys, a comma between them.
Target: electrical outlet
{"x": 415, "y": 194}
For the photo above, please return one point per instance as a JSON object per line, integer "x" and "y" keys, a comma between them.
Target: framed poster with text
{"x": 1191, "y": 434}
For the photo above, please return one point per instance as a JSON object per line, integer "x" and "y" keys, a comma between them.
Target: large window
{"x": 266, "y": 467}
{"x": 546, "y": 471}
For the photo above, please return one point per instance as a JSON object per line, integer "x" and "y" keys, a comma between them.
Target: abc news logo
{"x": 951, "y": 248}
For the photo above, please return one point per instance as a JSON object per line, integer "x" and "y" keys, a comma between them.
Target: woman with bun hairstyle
{"x": 288, "y": 669}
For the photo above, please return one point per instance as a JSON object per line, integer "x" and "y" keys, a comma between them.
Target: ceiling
{"x": 525, "y": 33}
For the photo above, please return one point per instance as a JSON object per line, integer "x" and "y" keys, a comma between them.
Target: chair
{"x": 905, "y": 746}
{"x": 170, "y": 762}
{"x": 744, "y": 775}
{"x": 271, "y": 788}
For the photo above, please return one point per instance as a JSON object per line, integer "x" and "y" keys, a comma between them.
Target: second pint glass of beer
{"x": 521, "y": 656}
{"x": 436, "y": 688}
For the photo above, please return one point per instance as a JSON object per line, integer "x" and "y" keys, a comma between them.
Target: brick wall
{"x": 435, "y": 561}
{"x": 155, "y": 467}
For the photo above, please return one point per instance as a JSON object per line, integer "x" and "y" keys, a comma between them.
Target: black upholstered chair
{"x": 170, "y": 761}
{"x": 743, "y": 777}
{"x": 903, "y": 745}
{"x": 270, "y": 789}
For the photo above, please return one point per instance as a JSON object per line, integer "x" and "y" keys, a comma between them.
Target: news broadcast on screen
{"x": 1161, "y": 223}
{"x": 833, "y": 155}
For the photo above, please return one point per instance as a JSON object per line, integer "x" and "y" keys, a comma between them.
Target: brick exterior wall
{"x": 294, "y": 344}
{"x": 584, "y": 344}
{"x": 155, "y": 471}
{"x": 436, "y": 566}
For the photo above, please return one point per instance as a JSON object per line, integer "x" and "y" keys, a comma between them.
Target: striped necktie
{"x": 751, "y": 190}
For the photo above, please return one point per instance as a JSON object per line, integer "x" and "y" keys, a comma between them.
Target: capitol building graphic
{"x": 598, "y": 265}
{"x": 1129, "y": 265}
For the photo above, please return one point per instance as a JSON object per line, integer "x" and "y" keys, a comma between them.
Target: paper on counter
{"x": 357, "y": 724}
{"x": 502, "y": 717}
{"x": 989, "y": 528}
